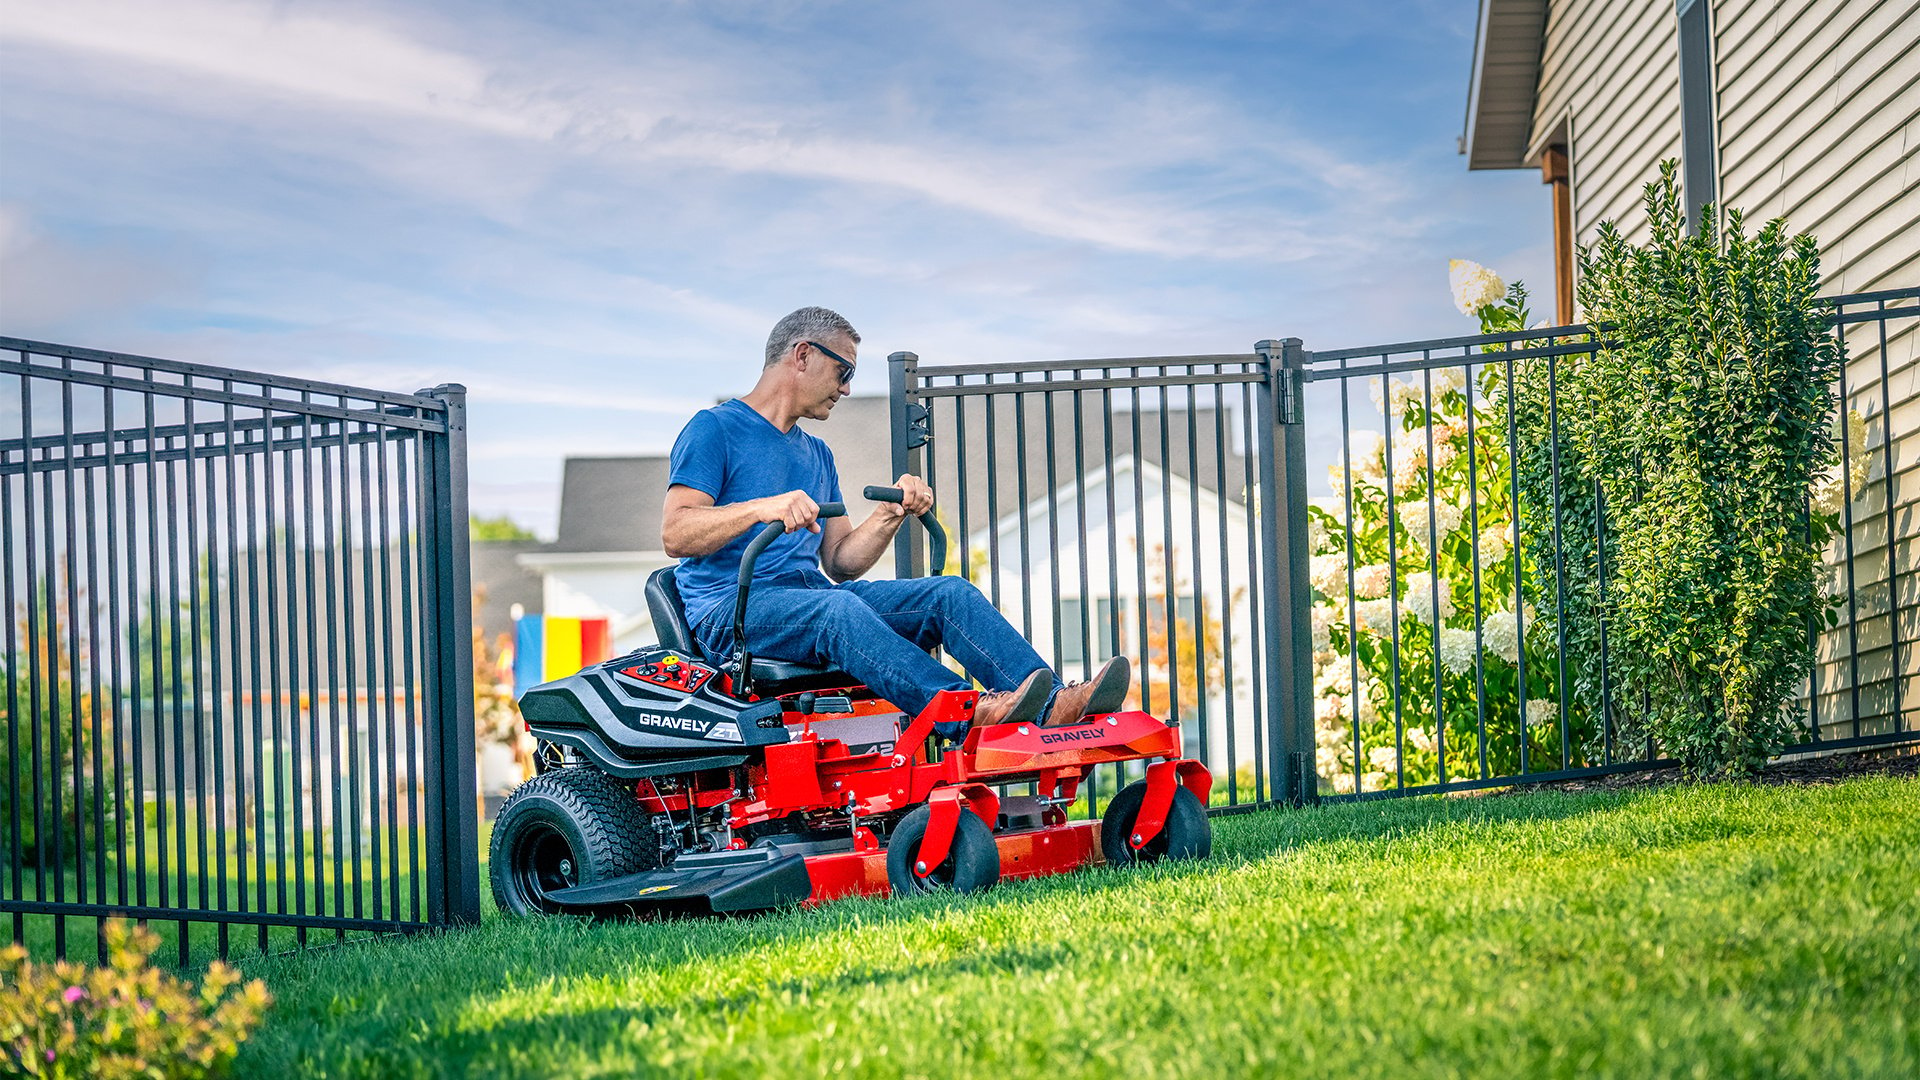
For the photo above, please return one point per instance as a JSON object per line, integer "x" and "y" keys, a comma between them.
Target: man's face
{"x": 828, "y": 375}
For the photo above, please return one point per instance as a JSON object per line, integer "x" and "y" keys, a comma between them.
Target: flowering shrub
{"x": 123, "y": 1020}
{"x": 1472, "y": 559}
{"x": 1430, "y": 645}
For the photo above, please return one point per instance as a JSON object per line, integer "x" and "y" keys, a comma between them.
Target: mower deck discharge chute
{"x": 672, "y": 784}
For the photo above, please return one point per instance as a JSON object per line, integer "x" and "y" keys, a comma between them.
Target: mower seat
{"x": 670, "y": 622}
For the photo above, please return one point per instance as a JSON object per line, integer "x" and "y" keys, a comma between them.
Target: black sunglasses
{"x": 846, "y": 369}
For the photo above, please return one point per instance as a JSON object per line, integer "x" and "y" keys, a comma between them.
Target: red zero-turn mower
{"x": 671, "y": 784}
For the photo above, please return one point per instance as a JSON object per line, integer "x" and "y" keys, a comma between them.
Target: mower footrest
{"x": 696, "y": 884}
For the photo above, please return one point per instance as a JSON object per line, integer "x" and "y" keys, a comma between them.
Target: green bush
{"x": 49, "y": 702}
{"x": 77, "y": 833}
{"x": 127, "y": 1019}
{"x": 1706, "y": 420}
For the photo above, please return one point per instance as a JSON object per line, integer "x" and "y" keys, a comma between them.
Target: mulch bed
{"x": 1902, "y": 761}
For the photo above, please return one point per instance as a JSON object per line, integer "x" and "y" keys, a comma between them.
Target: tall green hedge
{"x": 1706, "y": 420}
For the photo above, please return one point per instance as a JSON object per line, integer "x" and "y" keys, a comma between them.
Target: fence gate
{"x": 237, "y": 654}
{"x": 1115, "y": 507}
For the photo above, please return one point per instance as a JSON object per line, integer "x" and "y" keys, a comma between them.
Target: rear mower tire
{"x": 1186, "y": 835}
{"x": 566, "y": 827}
{"x": 972, "y": 863}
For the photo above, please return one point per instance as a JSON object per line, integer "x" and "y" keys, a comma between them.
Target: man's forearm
{"x": 856, "y": 553}
{"x": 692, "y": 531}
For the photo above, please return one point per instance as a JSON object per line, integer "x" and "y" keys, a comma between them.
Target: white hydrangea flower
{"x": 1375, "y": 616}
{"x": 1448, "y": 379}
{"x": 1830, "y": 489}
{"x": 1542, "y": 713}
{"x": 1374, "y": 781}
{"x": 1418, "y": 602}
{"x": 1318, "y": 535}
{"x": 1371, "y": 582}
{"x": 1493, "y": 550}
{"x": 1329, "y": 573}
{"x": 1330, "y": 710}
{"x": 1334, "y": 679}
{"x": 1474, "y": 286}
{"x": 1410, "y": 464}
{"x": 1322, "y": 627}
{"x": 1384, "y": 758}
{"x": 1337, "y": 481}
{"x": 1414, "y": 520}
{"x": 1342, "y": 782}
{"x": 1457, "y": 650}
{"x": 1827, "y": 493}
{"x": 1332, "y": 739}
{"x": 1500, "y": 634}
{"x": 1421, "y": 739}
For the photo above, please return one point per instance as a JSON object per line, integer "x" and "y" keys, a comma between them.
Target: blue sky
{"x": 592, "y": 212}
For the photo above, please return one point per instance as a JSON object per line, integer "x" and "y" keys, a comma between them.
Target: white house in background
{"x": 1135, "y": 497}
{"x": 608, "y": 544}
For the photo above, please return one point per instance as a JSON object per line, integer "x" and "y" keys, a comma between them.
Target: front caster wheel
{"x": 972, "y": 863}
{"x": 1186, "y": 835}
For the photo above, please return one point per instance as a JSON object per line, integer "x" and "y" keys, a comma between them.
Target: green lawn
{"x": 1701, "y": 931}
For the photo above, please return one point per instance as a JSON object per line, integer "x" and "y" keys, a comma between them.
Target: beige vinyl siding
{"x": 1613, "y": 68}
{"x": 1819, "y": 112}
{"x": 1818, "y": 104}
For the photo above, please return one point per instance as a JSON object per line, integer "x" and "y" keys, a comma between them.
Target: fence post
{"x": 1287, "y": 595}
{"x": 453, "y": 826}
{"x": 907, "y": 421}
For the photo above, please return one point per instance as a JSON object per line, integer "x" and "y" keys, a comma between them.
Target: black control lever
{"x": 772, "y": 530}
{"x": 936, "y": 533}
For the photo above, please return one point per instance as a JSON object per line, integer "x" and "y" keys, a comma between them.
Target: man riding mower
{"x": 702, "y": 775}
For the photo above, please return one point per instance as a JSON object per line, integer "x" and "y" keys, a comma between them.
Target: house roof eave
{"x": 1506, "y": 77}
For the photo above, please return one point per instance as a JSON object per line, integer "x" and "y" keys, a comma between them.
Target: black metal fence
{"x": 1416, "y": 605}
{"x": 237, "y": 653}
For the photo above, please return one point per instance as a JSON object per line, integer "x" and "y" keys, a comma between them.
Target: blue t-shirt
{"x": 734, "y": 454}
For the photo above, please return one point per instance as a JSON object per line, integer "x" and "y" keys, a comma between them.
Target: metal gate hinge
{"x": 1289, "y": 390}
{"x": 918, "y": 430}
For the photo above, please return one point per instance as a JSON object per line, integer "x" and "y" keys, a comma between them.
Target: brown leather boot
{"x": 1014, "y": 706}
{"x": 1104, "y": 693}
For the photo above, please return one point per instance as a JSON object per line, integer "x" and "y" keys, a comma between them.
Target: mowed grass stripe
{"x": 1717, "y": 931}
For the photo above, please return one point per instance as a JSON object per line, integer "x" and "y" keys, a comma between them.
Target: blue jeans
{"x": 879, "y": 633}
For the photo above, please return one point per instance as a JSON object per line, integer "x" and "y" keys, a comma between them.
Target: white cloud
{"x": 270, "y": 46}
{"x": 1067, "y": 177}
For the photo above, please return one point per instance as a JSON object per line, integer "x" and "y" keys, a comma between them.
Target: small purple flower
{"x": 75, "y": 993}
{"x": 49, "y": 1055}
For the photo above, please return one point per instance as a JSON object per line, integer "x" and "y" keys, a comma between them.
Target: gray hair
{"x": 807, "y": 324}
